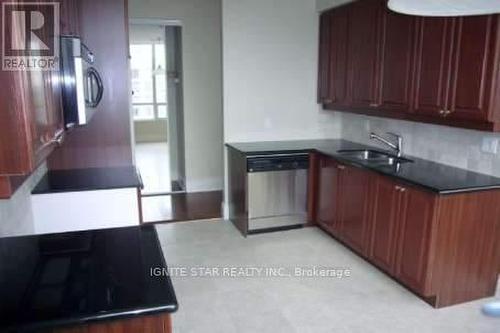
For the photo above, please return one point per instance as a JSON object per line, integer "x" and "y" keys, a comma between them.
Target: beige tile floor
{"x": 367, "y": 301}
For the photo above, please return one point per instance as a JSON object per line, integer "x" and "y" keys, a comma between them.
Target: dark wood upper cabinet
{"x": 432, "y": 65}
{"x": 473, "y": 67}
{"x": 337, "y": 78}
{"x": 428, "y": 69}
{"x": 396, "y": 60}
{"x": 324, "y": 58}
{"x": 69, "y": 15}
{"x": 363, "y": 43}
{"x": 32, "y": 123}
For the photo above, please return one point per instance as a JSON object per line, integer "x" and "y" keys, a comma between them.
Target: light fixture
{"x": 445, "y": 7}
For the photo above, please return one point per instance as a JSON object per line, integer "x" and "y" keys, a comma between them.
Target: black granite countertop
{"x": 435, "y": 177}
{"x": 52, "y": 280}
{"x": 75, "y": 180}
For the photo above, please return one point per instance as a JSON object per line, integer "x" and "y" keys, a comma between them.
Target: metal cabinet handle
{"x": 374, "y": 105}
{"x": 399, "y": 188}
{"x": 341, "y": 167}
{"x": 59, "y": 137}
{"x": 328, "y": 101}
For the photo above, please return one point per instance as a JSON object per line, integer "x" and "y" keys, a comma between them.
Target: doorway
{"x": 157, "y": 108}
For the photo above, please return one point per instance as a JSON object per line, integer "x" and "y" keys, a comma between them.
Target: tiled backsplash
{"x": 448, "y": 145}
{"x": 16, "y": 216}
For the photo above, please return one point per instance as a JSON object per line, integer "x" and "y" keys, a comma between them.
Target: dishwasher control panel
{"x": 279, "y": 162}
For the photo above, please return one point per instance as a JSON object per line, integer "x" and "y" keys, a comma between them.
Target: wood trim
{"x": 139, "y": 203}
{"x": 312, "y": 188}
{"x": 478, "y": 125}
{"x": 161, "y": 323}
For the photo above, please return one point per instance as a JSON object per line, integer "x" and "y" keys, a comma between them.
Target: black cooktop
{"x": 73, "y": 278}
{"x": 90, "y": 179}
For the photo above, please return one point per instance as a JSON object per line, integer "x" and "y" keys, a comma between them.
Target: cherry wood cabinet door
{"x": 472, "y": 67}
{"x": 384, "y": 224}
{"x": 416, "y": 217}
{"x": 324, "y": 57}
{"x": 69, "y": 17}
{"x": 337, "y": 78}
{"x": 354, "y": 200}
{"x": 364, "y": 25}
{"x": 396, "y": 60}
{"x": 328, "y": 183}
{"x": 432, "y": 65}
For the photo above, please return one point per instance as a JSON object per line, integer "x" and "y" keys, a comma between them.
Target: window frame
{"x": 155, "y": 102}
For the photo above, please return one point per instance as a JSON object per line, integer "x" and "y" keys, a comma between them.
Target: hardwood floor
{"x": 182, "y": 207}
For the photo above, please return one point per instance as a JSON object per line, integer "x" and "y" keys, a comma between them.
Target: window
{"x": 149, "y": 81}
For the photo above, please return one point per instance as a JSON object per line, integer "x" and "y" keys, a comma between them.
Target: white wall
{"x": 270, "y": 52}
{"x": 201, "y": 23}
{"x": 270, "y": 72}
{"x": 16, "y": 214}
{"x": 322, "y": 5}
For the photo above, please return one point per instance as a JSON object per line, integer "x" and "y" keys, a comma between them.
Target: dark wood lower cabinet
{"x": 445, "y": 248}
{"x": 161, "y": 323}
{"x": 328, "y": 181}
{"x": 384, "y": 223}
{"x": 354, "y": 206}
{"x": 415, "y": 223}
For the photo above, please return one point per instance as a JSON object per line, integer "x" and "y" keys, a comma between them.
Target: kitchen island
{"x": 90, "y": 281}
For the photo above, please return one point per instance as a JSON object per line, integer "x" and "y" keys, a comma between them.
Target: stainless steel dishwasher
{"x": 277, "y": 191}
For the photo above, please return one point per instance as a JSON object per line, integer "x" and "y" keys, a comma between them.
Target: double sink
{"x": 372, "y": 157}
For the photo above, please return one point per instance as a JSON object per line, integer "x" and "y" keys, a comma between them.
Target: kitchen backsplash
{"x": 448, "y": 145}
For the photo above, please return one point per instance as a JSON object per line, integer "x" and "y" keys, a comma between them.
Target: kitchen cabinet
{"x": 427, "y": 69}
{"x": 32, "y": 123}
{"x": 324, "y": 58}
{"x": 354, "y": 190}
{"x": 473, "y": 67}
{"x": 385, "y": 219}
{"x": 343, "y": 204}
{"x": 363, "y": 43}
{"x": 396, "y": 61}
{"x": 442, "y": 247}
{"x": 433, "y": 57}
{"x": 328, "y": 184}
{"x": 332, "y": 85}
{"x": 401, "y": 222}
{"x": 416, "y": 217}
{"x": 69, "y": 14}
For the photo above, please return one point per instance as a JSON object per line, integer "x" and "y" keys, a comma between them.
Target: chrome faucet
{"x": 398, "y": 147}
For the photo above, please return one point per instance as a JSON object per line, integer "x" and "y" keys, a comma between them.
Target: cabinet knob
{"x": 374, "y": 105}
{"x": 341, "y": 167}
{"x": 328, "y": 101}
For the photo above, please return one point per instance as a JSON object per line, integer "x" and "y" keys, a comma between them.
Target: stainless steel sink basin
{"x": 373, "y": 157}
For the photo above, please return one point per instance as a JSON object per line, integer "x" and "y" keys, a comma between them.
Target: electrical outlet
{"x": 490, "y": 145}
